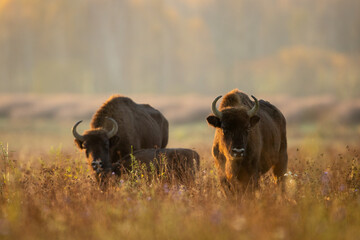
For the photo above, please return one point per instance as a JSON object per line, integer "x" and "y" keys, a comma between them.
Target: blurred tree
{"x": 171, "y": 46}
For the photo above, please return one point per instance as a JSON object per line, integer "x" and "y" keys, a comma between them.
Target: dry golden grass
{"x": 56, "y": 196}
{"x": 48, "y": 192}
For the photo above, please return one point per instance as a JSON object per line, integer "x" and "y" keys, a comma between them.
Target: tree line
{"x": 159, "y": 46}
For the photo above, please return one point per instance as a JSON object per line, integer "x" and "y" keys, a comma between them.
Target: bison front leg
{"x": 226, "y": 187}
{"x": 234, "y": 188}
{"x": 280, "y": 169}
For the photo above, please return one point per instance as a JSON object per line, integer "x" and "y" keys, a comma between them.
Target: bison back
{"x": 179, "y": 162}
{"x": 139, "y": 125}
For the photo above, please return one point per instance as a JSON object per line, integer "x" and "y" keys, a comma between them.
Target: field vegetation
{"x": 48, "y": 191}
{"x": 61, "y": 59}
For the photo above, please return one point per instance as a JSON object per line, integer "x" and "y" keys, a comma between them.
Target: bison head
{"x": 96, "y": 143}
{"x": 234, "y": 125}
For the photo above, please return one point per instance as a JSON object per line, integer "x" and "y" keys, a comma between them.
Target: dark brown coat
{"x": 133, "y": 126}
{"x": 179, "y": 162}
{"x": 250, "y": 139}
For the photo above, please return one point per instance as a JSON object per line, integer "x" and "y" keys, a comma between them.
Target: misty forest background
{"x": 299, "y": 48}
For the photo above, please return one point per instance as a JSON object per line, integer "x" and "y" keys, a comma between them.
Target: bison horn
{"x": 255, "y": 108}
{"x": 75, "y": 133}
{"x": 215, "y": 111}
{"x": 114, "y": 130}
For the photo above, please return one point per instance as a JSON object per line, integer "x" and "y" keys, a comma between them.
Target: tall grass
{"x": 56, "y": 197}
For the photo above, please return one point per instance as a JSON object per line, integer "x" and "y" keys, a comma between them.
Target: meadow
{"x": 48, "y": 191}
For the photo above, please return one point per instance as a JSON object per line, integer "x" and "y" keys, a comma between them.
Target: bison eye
{"x": 84, "y": 145}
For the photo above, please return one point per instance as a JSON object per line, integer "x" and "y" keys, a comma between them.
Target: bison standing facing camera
{"x": 250, "y": 139}
{"x": 117, "y": 127}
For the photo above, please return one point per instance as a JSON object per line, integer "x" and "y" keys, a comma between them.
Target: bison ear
{"x": 254, "y": 120}
{"x": 213, "y": 121}
{"x": 79, "y": 143}
{"x": 114, "y": 141}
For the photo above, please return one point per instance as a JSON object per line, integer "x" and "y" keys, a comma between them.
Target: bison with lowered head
{"x": 250, "y": 139}
{"x": 119, "y": 126}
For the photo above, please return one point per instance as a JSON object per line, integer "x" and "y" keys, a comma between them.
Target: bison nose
{"x": 96, "y": 164}
{"x": 239, "y": 151}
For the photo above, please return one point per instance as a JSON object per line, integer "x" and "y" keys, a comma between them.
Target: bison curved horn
{"x": 76, "y": 134}
{"x": 255, "y": 108}
{"x": 114, "y": 130}
{"x": 215, "y": 111}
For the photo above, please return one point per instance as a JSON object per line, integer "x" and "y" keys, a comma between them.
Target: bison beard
{"x": 118, "y": 127}
{"x": 250, "y": 138}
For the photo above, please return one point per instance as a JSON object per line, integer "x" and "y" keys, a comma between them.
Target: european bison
{"x": 180, "y": 162}
{"x": 250, "y": 138}
{"x": 119, "y": 126}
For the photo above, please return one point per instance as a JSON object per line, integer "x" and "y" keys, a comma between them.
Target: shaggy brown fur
{"x": 263, "y": 137}
{"x": 139, "y": 126}
{"x": 179, "y": 162}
